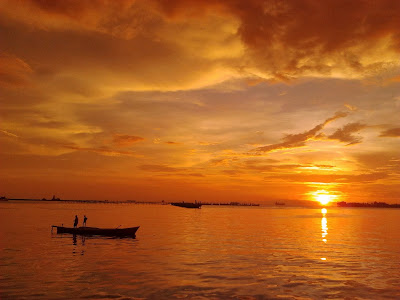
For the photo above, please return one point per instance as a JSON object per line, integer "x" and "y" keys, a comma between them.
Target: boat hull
{"x": 126, "y": 232}
{"x": 186, "y": 205}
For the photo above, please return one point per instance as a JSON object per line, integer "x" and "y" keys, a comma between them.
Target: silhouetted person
{"x": 76, "y": 221}
{"x": 84, "y": 220}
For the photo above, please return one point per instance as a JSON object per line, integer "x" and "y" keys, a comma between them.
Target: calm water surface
{"x": 210, "y": 253}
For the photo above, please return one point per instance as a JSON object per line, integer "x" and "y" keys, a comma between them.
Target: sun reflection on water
{"x": 324, "y": 225}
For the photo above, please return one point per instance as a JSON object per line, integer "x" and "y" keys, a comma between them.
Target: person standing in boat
{"x": 84, "y": 220}
{"x": 76, "y": 221}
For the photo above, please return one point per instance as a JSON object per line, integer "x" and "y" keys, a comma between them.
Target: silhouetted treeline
{"x": 373, "y": 204}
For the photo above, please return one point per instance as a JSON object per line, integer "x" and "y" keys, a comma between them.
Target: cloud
{"x": 351, "y": 107}
{"x": 379, "y": 160}
{"x": 325, "y": 166}
{"x": 103, "y": 151}
{"x": 194, "y": 174}
{"x": 48, "y": 124}
{"x": 332, "y": 178}
{"x": 120, "y": 18}
{"x": 345, "y": 134}
{"x": 220, "y": 162}
{"x": 103, "y": 64}
{"x": 79, "y": 77}
{"x": 321, "y": 38}
{"x": 5, "y": 132}
{"x": 123, "y": 140}
{"x": 289, "y": 39}
{"x": 261, "y": 167}
{"x": 395, "y": 79}
{"x": 172, "y": 143}
{"x": 232, "y": 172}
{"x": 268, "y": 40}
{"x": 14, "y": 72}
{"x": 393, "y": 132}
{"x": 300, "y": 139}
{"x": 159, "y": 168}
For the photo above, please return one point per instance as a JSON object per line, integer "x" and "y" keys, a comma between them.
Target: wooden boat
{"x": 131, "y": 231}
{"x": 186, "y": 205}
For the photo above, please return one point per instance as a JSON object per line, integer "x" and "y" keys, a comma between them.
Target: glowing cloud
{"x": 300, "y": 139}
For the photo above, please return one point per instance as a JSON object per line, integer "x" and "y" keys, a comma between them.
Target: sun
{"x": 323, "y": 196}
{"x": 324, "y": 199}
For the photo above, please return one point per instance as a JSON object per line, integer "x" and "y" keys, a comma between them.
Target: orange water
{"x": 208, "y": 253}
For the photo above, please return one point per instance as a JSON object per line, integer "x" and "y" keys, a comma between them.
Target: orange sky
{"x": 200, "y": 100}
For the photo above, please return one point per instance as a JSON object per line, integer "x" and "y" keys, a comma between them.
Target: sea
{"x": 216, "y": 252}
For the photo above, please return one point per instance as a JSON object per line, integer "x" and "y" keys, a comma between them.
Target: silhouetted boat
{"x": 131, "y": 231}
{"x": 187, "y": 205}
{"x": 279, "y": 203}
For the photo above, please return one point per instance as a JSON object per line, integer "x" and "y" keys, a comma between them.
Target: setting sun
{"x": 323, "y": 196}
{"x": 324, "y": 199}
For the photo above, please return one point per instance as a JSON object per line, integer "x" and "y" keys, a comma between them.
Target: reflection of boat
{"x": 131, "y": 231}
{"x": 279, "y": 203}
{"x": 187, "y": 205}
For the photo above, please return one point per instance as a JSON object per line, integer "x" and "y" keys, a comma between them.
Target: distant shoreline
{"x": 374, "y": 204}
{"x": 342, "y": 204}
{"x": 126, "y": 202}
{"x": 82, "y": 201}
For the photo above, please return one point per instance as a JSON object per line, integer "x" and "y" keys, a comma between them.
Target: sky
{"x": 214, "y": 101}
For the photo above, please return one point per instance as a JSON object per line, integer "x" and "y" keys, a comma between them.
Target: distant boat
{"x": 186, "y": 205}
{"x": 279, "y": 203}
{"x": 126, "y": 232}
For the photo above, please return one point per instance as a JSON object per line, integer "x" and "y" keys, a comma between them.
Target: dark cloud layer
{"x": 14, "y": 72}
{"x": 393, "y": 132}
{"x": 290, "y": 38}
{"x": 345, "y": 134}
{"x": 282, "y": 39}
{"x": 300, "y": 139}
{"x": 124, "y": 140}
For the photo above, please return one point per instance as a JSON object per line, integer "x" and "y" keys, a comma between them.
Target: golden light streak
{"x": 324, "y": 225}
